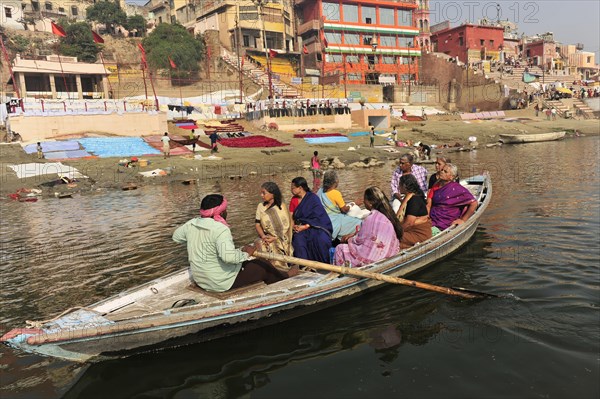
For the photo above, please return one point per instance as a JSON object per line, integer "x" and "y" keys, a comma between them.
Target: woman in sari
{"x": 335, "y": 206}
{"x": 379, "y": 236}
{"x": 413, "y": 214}
{"x": 452, "y": 204}
{"x": 312, "y": 227}
{"x": 273, "y": 222}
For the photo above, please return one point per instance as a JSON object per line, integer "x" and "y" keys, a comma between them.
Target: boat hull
{"x": 120, "y": 333}
{"x": 530, "y": 138}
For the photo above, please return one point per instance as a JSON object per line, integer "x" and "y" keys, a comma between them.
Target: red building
{"x": 541, "y": 53}
{"x": 359, "y": 41}
{"x": 470, "y": 43}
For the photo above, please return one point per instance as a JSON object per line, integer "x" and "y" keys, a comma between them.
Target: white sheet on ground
{"x": 25, "y": 170}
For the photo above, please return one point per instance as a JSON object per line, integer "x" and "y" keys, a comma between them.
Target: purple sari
{"x": 314, "y": 243}
{"x": 448, "y": 204}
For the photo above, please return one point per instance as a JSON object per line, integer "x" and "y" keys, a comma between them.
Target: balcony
{"x": 308, "y": 26}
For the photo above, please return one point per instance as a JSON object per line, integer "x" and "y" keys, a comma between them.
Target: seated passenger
{"x": 273, "y": 222}
{"x": 215, "y": 263}
{"x": 379, "y": 236}
{"x": 450, "y": 200}
{"x": 312, "y": 227}
{"x": 335, "y": 206}
{"x": 413, "y": 214}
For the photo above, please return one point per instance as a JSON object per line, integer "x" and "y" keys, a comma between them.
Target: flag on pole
{"x": 304, "y": 49}
{"x": 272, "y": 53}
{"x": 173, "y": 65}
{"x": 97, "y": 38}
{"x": 58, "y": 30}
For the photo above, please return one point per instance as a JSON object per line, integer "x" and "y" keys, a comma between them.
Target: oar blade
{"x": 478, "y": 294}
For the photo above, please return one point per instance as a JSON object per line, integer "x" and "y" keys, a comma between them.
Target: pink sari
{"x": 375, "y": 240}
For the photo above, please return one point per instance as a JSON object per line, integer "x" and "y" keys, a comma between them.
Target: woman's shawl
{"x": 276, "y": 222}
{"x": 375, "y": 240}
{"x": 314, "y": 243}
{"x": 447, "y": 204}
{"x": 342, "y": 224}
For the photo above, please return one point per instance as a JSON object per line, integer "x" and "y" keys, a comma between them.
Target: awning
{"x": 563, "y": 90}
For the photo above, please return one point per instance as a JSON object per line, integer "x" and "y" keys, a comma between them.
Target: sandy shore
{"x": 106, "y": 174}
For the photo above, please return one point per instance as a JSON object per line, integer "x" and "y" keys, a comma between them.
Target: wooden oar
{"x": 375, "y": 276}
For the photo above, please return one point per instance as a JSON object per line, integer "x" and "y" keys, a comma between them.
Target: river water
{"x": 537, "y": 246}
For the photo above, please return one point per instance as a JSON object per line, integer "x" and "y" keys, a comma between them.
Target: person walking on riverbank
{"x": 372, "y": 137}
{"x": 40, "y": 153}
{"x": 166, "y": 146}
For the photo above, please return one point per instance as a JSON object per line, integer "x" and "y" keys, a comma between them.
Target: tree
{"x": 176, "y": 42}
{"x": 108, "y": 13}
{"x": 138, "y": 23}
{"x": 79, "y": 42}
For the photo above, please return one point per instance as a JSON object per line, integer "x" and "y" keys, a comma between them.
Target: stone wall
{"x": 37, "y": 128}
{"x": 470, "y": 90}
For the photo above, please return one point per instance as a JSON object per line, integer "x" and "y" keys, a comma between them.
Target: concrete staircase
{"x": 561, "y": 108}
{"x": 258, "y": 75}
{"x": 514, "y": 80}
{"x": 583, "y": 109}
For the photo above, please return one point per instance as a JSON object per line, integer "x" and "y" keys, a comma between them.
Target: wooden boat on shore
{"x": 172, "y": 310}
{"x": 530, "y": 138}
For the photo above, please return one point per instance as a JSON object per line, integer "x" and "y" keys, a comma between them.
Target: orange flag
{"x": 58, "y": 30}
{"x": 173, "y": 65}
{"x": 304, "y": 49}
{"x": 143, "y": 51}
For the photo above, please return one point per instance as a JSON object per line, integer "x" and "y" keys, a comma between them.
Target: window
{"x": 589, "y": 59}
{"x": 350, "y": 12}
{"x": 368, "y": 14}
{"x": 388, "y": 59}
{"x": 332, "y": 37}
{"x": 482, "y": 42}
{"x": 386, "y": 16}
{"x": 74, "y": 11}
{"x": 35, "y": 6}
{"x": 249, "y": 16}
{"x": 367, "y": 40}
{"x": 404, "y": 42}
{"x": 387, "y": 41}
{"x": 404, "y": 60}
{"x": 61, "y": 9}
{"x": 461, "y": 41}
{"x": 8, "y": 12}
{"x": 48, "y": 6}
{"x": 405, "y": 17}
{"x": 492, "y": 43}
{"x": 337, "y": 58}
{"x": 351, "y": 38}
{"x": 331, "y": 11}
{"x": 246, "y": 40}
{"x": 352, "y": 59}
{"x": 354, "y": 76}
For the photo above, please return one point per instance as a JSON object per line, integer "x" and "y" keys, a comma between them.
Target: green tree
{"x": 176, "y": 42}
{"x": 108, "y": 13}
{"x": 138, "y": 23}
{"x": 79, "y": 42}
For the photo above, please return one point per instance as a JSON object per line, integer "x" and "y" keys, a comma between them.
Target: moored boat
{"x": 531, "y": 138}
{"x": 172, "y": 310}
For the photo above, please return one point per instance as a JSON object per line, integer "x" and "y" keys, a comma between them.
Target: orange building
{"x": 359, "y": 41}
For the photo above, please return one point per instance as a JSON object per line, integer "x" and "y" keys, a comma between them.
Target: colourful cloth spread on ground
{"x": 252, "y": 141}
{"x": 48, "y": 146}
{"x": 105, "y": 147}
{"x": 327, "y": 140}
{"x": 67, "y": 154}
{"x": 176, "y": 148}
{"x": 311, "y": 135}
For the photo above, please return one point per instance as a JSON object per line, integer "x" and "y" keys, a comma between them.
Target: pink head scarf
{"x": 216, "y": 212}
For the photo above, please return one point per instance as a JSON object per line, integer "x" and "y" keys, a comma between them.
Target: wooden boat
{"x": 530, "y": 138}
{"x": 172, "y": 310}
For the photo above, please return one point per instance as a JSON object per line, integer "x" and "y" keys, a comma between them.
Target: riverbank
{"x": 234, "y": 163}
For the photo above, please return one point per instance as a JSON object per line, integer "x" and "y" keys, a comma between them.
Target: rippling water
{"x": 537, "y": 245}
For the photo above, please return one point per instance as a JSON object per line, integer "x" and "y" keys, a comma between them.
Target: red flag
{"x": 173, "y": 65}
{"x": 97, "y": 38}
{"x": 242, "y": 61}
{"x": 272, "y": 53}
{"x": 58, "y": 30}
{"x": 324, "y": 39}
{"x": 304, "y": 49}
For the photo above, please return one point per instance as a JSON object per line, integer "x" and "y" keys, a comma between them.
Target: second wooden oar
{"x": 371, "y": 275}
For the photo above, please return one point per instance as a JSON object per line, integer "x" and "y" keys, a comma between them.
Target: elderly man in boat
{"x": 215, "y": 263}
{"x": 451, "y": 204}
{"x": 406, "y": 166}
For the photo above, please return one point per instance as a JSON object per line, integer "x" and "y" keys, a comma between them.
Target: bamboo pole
{"x": 361, "y": 273}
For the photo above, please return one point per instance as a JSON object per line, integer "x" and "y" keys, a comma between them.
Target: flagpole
{"x": 15, "y": 85}
{"x": 63, "y": 75}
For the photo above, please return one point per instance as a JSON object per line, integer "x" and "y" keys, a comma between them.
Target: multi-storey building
{"x": 422, "y": 22}
{"x": 361, "y": 41}
{"x": 470, "y": 43}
